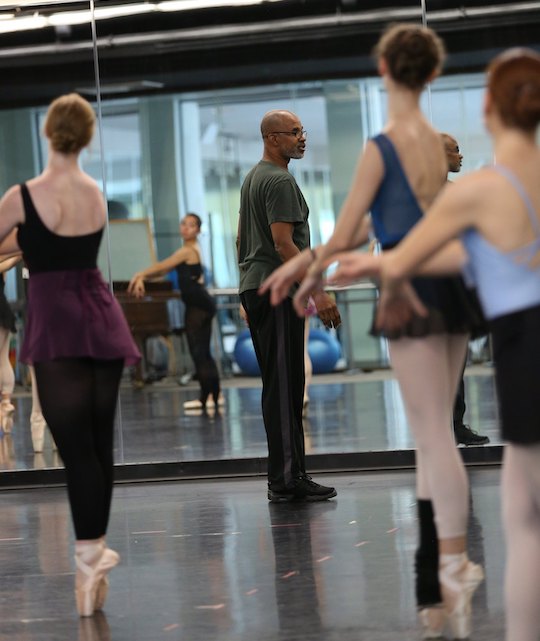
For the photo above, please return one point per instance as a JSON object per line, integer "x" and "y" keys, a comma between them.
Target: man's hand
{"x": 243, "y": 314}
{"x": 327, "y": 309}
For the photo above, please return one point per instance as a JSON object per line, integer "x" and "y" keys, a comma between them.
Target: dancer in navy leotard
{"x": 200, "y": 309}
{"x": 399, "y": 175}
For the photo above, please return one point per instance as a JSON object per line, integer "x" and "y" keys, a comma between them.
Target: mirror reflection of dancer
{"x": 200, "y": 309}
{"x": 496, "y": 213}
{"x": 398, "y": 177}
{"x": 37, "y": 421}
{"x": 7, "y": 327}
{"x": 76, "y": 335}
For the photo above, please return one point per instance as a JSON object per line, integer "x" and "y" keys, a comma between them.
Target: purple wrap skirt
{"x": 73, "y": 314}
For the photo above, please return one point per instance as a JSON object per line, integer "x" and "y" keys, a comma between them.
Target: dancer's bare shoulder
{"x": 421, "y": 153}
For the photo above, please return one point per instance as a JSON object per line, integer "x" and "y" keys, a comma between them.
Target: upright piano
{"x": 147, "y": 316}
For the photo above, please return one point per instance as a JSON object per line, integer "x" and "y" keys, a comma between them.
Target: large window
{"x": 214, "y": 140}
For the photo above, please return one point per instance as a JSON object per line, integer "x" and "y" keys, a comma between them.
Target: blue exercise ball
{"x": 323, "y": 348}
{"x": 324, "y": 351}
{"x": 244, "y": 354}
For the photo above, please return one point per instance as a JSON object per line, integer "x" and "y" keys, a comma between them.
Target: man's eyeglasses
{"x": 299, "y": 133}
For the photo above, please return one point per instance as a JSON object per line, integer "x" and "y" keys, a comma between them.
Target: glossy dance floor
{"x": 213, "y": 561}
{"x": 347, "y": 414}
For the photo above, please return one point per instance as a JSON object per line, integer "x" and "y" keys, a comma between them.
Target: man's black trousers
{"x": 278, "y": 338}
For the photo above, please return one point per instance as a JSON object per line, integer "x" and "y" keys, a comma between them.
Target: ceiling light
{"x": 120, "y": 87}
{"x": 101, "y": 13}
{"x": 124, "y": 10}
{"x": 23, "y": 24}
{"x": 69, "y": 18}
{"x": 186, "y": 5}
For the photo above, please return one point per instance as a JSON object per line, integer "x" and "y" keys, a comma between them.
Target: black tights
{"x": 78, "y": 397}
{"x": 198, "y": 325}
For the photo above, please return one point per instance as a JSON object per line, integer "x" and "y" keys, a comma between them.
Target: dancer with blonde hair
{"x": 76, "y": 336}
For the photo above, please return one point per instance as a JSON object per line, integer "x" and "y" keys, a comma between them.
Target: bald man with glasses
{"x": 273, "y": 228}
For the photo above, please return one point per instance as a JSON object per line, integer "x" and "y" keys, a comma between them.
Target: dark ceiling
{"x": 231, "y": 46}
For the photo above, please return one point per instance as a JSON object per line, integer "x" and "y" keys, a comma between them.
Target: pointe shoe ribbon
{"x": 461, "y": 579}
{"x": 91, "y": 591}
{"x": 103, "y": 586}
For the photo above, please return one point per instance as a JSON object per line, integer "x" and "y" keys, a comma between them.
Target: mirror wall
{"x": 181, "y": 88}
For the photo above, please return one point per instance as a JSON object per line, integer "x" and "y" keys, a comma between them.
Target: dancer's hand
{"x": 312, "y": 282}
{"x": 136, "y": 286}
{"x": 354, "y": 266}
{"x": 281, "y": 280}
{"x": 398, "y": 303}
{"x": 327, "y": 309}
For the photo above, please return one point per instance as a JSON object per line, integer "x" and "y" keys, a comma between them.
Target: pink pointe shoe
{"x": 432, "y": 619}
{"x": 37, "y": 428}
{"x": 94, "y": 561}
{"x": 7, "y": 410}
{"x": 459, "y": 579}
{"x": 197, "y": 404}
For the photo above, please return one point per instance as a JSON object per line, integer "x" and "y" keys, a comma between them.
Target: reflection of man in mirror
{"x": 453, "y": 154}
{"x": 463, "y": 433}
{"x": 273, "y": 228}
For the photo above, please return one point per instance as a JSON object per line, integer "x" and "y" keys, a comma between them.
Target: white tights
{"x": 7, "y": 376}
{"x": 521, "y": 517}
{"x": 428, "y": 371}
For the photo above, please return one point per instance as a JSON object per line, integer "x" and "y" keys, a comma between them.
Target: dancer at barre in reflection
{"x": 37, "y": 421}
{"x": 7, "y": 327}
{"x": 76, "y": 336}
{"x": 399, "y": 175}
{"x": 495, "y": 212}
{"x": 200, "y": 309}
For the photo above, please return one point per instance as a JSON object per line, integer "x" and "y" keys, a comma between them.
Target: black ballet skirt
{"x": 7, "y": 317}
{"x": 452, "y": 307}
{"x": 516, "y": 353}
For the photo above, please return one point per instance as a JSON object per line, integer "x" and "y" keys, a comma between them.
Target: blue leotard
{"x": 395, "y": 210}
{"x": 505, "y": 281}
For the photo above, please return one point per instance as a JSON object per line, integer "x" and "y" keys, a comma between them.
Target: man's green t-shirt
{"x": 269, "y": 195}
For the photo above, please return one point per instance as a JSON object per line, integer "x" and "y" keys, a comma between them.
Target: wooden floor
{"x": 214, "y": 561}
